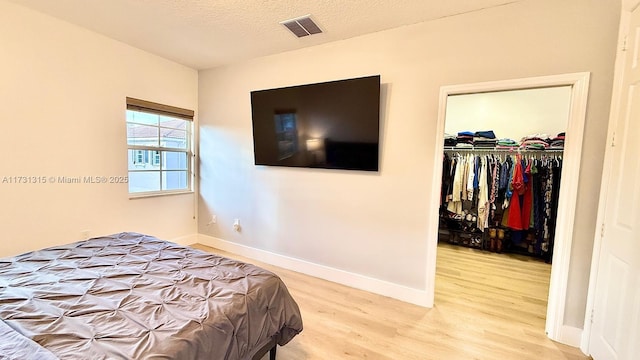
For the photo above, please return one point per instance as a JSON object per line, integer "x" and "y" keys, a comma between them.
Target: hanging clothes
{"x": 527, "y": 196}
{"x": 471, "y": 175}
{"x": 446, "y": 169}
{"x": 517, "y": 184}
{"x": 483, "y": 195}
{"x": 518, "y": 192}
{"x": 493, "y": 195}
{"x": 455, "y": 204}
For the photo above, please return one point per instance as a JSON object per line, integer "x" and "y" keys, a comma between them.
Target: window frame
{"x": 156, "y": 152}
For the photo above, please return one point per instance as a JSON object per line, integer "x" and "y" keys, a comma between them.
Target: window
{"x": 139, "y": 157}
{"x": 156, "y": 158}
{"x": 159, "y": 147}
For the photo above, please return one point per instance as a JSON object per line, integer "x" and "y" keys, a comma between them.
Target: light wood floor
{"x": 487, "y": 306}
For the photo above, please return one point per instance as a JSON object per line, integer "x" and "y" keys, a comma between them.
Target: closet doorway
{"x": 577, "y": 86}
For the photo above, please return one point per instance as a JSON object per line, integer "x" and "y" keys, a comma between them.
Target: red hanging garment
{"x": 515, "y": 211}
{"x": 527, "y": 199}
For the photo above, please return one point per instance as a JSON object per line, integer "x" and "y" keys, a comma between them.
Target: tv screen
{"x": 331, "y": 125}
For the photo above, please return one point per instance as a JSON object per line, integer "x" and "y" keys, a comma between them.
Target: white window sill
{"x": 142, "y": 195}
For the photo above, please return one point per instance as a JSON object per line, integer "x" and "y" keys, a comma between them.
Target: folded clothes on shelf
{"x": 541, "y": 137}
{"x": 462, "y": 145}
{"x": 556, "y": 145}
{"x": 534, "y": 146}
{"x": 450, "y": 140}
{"x": 506, "y": 143}
{"x": 488, "y": 134}
{"x": 484, "y": 143}
{"x": 535, "y": 142}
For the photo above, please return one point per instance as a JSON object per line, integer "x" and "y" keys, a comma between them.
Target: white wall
{"x": 374, "y": 224}
{"x": 510, "y": 114}
{"x": 62, "y": 93}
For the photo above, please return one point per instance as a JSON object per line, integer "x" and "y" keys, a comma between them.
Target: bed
{"x": 133, "y": 296}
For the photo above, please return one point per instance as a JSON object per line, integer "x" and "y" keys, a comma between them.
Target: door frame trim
{"x": 579, "y": 83}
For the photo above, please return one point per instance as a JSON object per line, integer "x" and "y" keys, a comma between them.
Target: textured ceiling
{"x": 209, "y": 33}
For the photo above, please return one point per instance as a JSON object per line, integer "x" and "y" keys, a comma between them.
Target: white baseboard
{"x": 358, "y": 281}
{"x": 570, "y": 335}
{"x": 186, "y": 240}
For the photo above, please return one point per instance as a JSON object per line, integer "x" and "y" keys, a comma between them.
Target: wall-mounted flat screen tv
{"x": 331, "y": 125}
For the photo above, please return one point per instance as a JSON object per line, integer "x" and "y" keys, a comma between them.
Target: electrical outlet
{"x": 236, "y": 225}
{"x": 213, "y": 220}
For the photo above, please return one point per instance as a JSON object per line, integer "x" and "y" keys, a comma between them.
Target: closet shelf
{"x": 514, "y": 151}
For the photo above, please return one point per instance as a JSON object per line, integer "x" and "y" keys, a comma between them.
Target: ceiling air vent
{"x": 302, "y": 26}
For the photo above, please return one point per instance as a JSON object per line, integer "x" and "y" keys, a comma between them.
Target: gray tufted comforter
{"x": 132, "y": 296}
